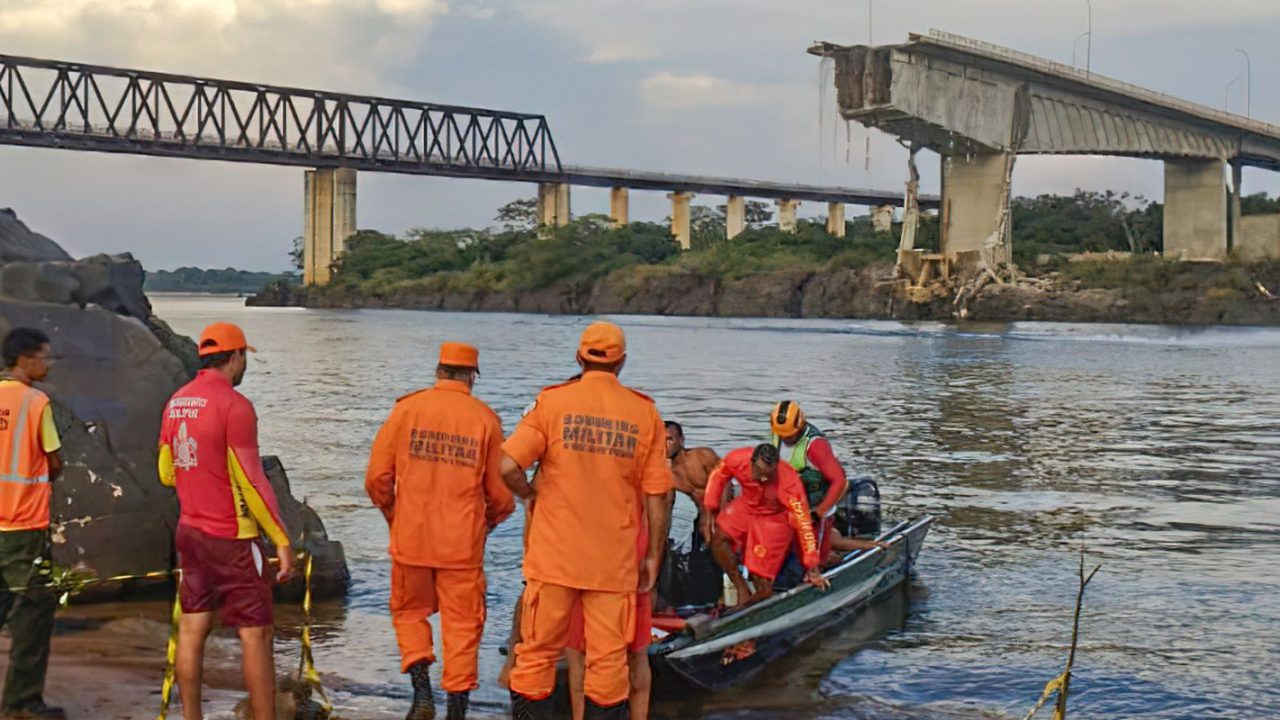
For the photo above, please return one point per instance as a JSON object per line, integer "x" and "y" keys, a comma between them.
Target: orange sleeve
{"x": 529, "y": 441}
{"x": 380, "y": 477}
{"x": 791, "y": 492}
{"x": 499, "y": 502}
{"x": 715, "y": 487}
{"x": 656, "y": 479}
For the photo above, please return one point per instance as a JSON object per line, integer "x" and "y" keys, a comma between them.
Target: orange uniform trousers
{"x": 546, "y": 613}
{"x": 417, "y": 593}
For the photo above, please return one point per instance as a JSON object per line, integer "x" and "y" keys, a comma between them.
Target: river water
{"x": 1155, "y": 449}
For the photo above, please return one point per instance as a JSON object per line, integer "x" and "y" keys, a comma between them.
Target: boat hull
{"x": 736, "y": 647}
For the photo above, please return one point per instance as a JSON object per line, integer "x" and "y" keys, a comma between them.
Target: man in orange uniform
{"x": 434, "y": 473}
{"x": 209, "y": 452}
{"x": 601, "y": 453}
{"x": 761, "y": 523}
{"x": 29, "y": 448}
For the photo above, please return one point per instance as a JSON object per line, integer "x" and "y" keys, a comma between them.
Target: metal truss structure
{"x": 46, "y": 103}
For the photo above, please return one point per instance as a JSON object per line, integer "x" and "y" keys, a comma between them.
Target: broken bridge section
{"x": 979, "y": 105}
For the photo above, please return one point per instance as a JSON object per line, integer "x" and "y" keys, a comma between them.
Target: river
{"x": 1155, "y": 449}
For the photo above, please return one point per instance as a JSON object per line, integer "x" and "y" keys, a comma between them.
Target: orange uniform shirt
{"x": 601, "y": 446}
{"x": 784, "y": 493}
{"x": 436, "y": 464}
{"x": 27, "y": 436}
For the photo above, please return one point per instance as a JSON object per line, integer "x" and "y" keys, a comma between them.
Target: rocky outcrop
{"x": 1206, "y": 293}
{"x": 116, "y": 365}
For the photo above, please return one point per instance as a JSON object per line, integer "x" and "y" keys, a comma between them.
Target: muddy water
{"x": 1154, "y": 449}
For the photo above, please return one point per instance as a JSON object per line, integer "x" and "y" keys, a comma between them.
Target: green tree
{"x": 518, "y": 215}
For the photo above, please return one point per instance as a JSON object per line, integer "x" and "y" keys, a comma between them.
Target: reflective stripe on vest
{"x": 24, "y": 479}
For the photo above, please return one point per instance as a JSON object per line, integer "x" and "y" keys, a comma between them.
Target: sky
{"x": 710, "y": 87}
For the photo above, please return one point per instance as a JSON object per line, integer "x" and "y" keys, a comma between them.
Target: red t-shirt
{"x": 209, "y": 451}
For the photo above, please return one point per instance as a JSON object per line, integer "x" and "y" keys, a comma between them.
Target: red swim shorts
{"x": 762, "y": 540}
{"x": 230, "y": 576}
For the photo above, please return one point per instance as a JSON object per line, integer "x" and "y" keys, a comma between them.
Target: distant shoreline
{"x": 1105, "y": 292}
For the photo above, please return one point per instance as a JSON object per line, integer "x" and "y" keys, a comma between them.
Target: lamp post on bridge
{"x": 1248, "y": 83}
{"x": 1226, "y": 94}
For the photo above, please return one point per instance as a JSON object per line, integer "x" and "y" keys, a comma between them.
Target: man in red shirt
{"x": 209, "y": 452}
{"x": 761, "y": 523}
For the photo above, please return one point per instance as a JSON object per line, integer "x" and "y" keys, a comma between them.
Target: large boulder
{"x": 18, "y": 243}
{"x": 116, "y": 364}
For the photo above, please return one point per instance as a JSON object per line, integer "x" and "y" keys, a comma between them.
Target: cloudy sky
{"x": 717, "y": 87}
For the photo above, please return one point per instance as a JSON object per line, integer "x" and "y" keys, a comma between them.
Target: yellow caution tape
{"x": 1050, "y": 688}
{"x": 171, "y": 659}
{"x": 307, "y": 668}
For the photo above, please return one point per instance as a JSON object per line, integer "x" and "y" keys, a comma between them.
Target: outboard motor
{"x": 859, "y": 513}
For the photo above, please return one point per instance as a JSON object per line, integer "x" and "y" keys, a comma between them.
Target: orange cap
{"x": 456, "y": 354}
{"x": 786, "y": 419}
{"x": 602, "y": 342}
{"x": 222, "y": 337}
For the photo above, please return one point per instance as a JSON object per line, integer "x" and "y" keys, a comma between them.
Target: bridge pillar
{"x": 619, "y": 206}
{"x": 787, "y": 215}
{"x": 680, "y": 218}
{"x": 553, "y": 204}
{"x": 882, "y": 218}
{"x": 1195, "y": 209}
{"x": 735, "y": 216}
{"x": 329, "y": 219}
{"x": 973, "y": 198}
{"x": 835, "y": 219}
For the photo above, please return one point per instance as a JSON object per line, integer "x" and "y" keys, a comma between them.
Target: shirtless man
{"x": 690, "y": 468}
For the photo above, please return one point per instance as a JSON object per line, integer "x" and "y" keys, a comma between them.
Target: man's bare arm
{"x": 514, "y": 477}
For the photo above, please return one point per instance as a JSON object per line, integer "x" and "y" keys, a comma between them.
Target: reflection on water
{"x": 1155, "y": 449}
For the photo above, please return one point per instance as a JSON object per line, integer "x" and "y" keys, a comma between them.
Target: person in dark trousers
{"x": 29, "y": 463}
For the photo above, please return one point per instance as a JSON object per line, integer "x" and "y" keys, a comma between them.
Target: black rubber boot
{"x": 457, "y": 706}
{"x": 621, "y": 711}
{"x": 522, "y": 708}
{"x": 424, "y": 703}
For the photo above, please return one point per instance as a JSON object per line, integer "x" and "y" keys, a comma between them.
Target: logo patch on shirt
{"x": 184, "y": 450}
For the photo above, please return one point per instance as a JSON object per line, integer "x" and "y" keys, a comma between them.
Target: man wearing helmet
{"x": 802, "y": 445}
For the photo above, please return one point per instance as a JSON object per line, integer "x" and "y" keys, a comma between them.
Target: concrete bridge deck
{"x": 979, "y": 105}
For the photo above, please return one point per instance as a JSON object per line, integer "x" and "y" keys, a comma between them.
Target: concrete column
{"x": 735, "y": 216}
{"x": 972, "y": 199}
{"x": 553, "y": 204}
{"x": 329, "y": 218}
{"x": 835, "y": 219}
{"x": 1233, "y": 240}
{"x": 882, "y": 218}
{"x": 680, "y": 218}
{"x": 1195, "y": 209}
{"x": 619, "y": 206}
{"x": 787, "y": 215}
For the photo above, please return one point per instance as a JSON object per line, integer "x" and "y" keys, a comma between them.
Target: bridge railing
{"x": 1054, "y": 67}
{"x": 114, "y": 110}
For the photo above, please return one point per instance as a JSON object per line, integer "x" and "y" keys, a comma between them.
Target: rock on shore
{"x": 1204, "y": 294}
{"x": 116, "y": 364}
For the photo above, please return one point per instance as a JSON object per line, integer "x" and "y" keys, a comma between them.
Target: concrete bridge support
{"x": 835, "y": 219}
{"x": 680, "y": 218}
{"x": 787, "y": 215}
{"x": 735, "y": 216}
{"x": 1195, "y": 209}
{"x": 882, "y": 218}
{"x": 329, "y": 218}
{"x": 619, "y": 206}
{"x": 973, "y": 197}
{"x": 553, "y": 204}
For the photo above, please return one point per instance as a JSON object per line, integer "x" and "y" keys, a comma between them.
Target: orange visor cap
{"x": 223, "y": 337}
{"x": 456, "y": 354}
{"x": 602, "y": 342}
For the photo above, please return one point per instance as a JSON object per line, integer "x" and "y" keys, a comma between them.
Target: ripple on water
{"x": 1153, "y": 448}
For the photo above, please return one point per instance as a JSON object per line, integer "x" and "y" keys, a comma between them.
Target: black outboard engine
{"x": 859, "y": 512}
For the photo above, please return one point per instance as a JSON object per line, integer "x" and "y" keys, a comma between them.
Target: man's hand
{"x": 815, "y": 578}
{"x": 388, "y": 512}
{"x": 705, "y": 523}
{"x": 284, "y": 554}
{"x": 649, "y": 572}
